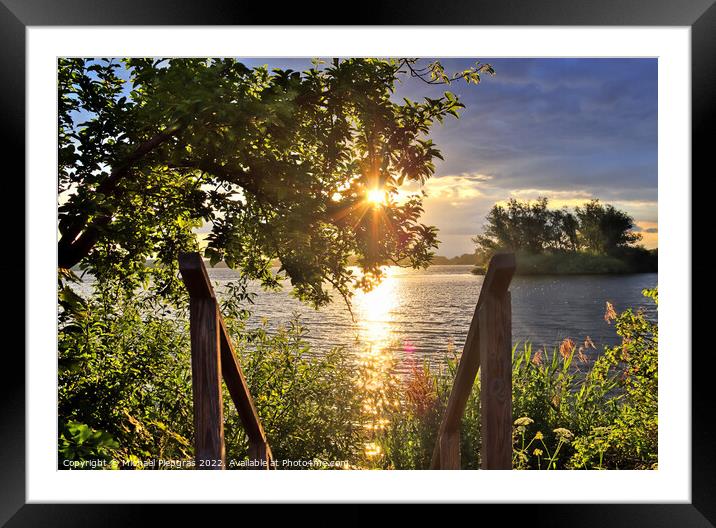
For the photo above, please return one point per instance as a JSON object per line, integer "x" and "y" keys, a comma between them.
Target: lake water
{"x": 417, "y": 313}
{"x": 420, "y": 314}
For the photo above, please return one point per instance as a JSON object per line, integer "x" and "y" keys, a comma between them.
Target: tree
{"x": 533, "y": 228}
{"x": 603, "y": 229}
{"x": 517, "y": 226}
{"x": 564, "y": 230}
{"x": 279, "y": 162}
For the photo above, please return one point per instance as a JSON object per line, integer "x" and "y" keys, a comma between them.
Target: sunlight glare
{"x": 376, "y": 196}
{"x": 374, "y": 312}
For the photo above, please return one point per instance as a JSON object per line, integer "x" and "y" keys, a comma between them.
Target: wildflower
{"x": 524, "y": 421}
{"x": 581, "y": 355}
{"x": 537, "y": 452}
{"x": 539, "y": 435}
{"x": 610, "y": 314}
{"x": 626, "y": 344}
{"x": 564, "y": 434}
{"x": 537, "y": 359}
{"x": 566, "y": 348}
{"x": 450, "y": 346}
{"x": 419, "y": 390}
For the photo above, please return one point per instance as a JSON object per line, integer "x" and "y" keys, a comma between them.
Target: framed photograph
{"x": 415, "y": 259}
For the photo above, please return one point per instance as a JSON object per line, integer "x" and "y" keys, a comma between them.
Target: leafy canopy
{"x": 532, "y": 227}
{"x": 279, "y": 162}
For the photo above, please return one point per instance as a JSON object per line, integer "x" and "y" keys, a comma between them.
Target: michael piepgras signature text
{"x": 158, "y": 463}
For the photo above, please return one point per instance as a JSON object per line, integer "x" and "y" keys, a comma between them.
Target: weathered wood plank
{"x": 238, "y": 389}
{"x": 195, "y": 276}
{"x": 260, "y": 454}
{"x": 498, "y": 277}
{"x": 240, "y": 394}
{"x": 465, "y": 376}
{"x": 450, "y": 449}
{"x": 206, "y": 382}
{"x": 460, "y": 393}
{"x": 496, "y": 382}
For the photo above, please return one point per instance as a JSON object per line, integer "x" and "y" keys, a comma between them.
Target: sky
{"x": 567, "y": 129}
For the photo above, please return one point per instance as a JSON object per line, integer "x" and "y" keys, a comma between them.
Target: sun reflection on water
{"x": 374, "y": 313}
{"x": 374, "y": 317}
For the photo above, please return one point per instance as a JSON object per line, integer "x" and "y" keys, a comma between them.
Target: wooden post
{"x": 206, "y": 381}
{"x": 449, "y": 442}
{"x": 447, "y": 448}
{"x": 496, "y": 382}
{"x": 259, "y": 450}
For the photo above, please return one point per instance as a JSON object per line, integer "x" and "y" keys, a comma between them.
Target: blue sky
{"x": 568, "y": 129}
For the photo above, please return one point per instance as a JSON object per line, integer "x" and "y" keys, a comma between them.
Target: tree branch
{"x": 78, "y": 236}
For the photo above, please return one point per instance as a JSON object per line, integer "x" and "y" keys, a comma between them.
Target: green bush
{"x": 125, "y": 384}
{"x": 80, "y": 442}
{"x": 630, "y": 441}
{"x": 309, "y": 405}
{"x": 124, "y": 372}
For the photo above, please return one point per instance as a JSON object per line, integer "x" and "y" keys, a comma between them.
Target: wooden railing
{"x": 212, "y": 356}
{"x": 487, "y": 348}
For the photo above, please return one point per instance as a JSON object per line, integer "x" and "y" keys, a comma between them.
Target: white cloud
{"x": 456, "y": 189}
{"x": 557, "y": 199}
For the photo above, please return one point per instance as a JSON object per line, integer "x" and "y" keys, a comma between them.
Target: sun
{"x": 376, "y": 196}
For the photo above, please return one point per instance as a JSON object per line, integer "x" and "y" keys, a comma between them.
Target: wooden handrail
{"x": 213, "y": 356}
{"x": 489, "y": 338}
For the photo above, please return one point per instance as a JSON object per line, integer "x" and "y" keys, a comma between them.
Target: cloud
{"x": 567, "y": 129}
{"x": 456, "y": 189}
{"x": 578, "y": 121}
{"x": 649, "y": 231}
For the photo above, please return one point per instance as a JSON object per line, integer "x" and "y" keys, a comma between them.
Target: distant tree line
{"x": 594, "y": 229}
{"x": 465, "y": 258}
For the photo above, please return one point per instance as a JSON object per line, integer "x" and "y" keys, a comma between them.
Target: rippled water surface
{"x": 416, "y": 313}
{"x": 419, "y": 313}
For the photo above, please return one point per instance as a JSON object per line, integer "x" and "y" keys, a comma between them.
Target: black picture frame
{"x": 699, "y": 15}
